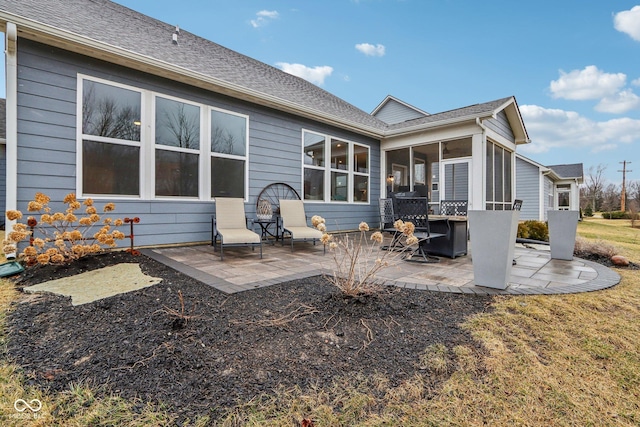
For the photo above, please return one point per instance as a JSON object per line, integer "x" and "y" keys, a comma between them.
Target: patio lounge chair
{"x": 230, "y": 225}
{"x": 294, "y": 222}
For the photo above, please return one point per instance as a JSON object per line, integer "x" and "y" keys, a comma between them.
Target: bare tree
{"x": 611, "y": 198}
{"x": 185, "y": 128}
{"x": 633, "y": 192}
{"x": 223, "y": 140}
{"x": 594, "y": 184}
{"x": 107, "y": 117}
{"x": 633, "y": 207}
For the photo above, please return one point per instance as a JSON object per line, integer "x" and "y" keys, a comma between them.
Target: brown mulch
{"x": 226, "y": 349}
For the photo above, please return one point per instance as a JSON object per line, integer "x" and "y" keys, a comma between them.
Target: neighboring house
{"x": 543, "y": 188}
{"x": 111, "y": 104}
{"x": 566, "y": 191}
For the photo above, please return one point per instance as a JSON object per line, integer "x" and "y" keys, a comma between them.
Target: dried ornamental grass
{"x": 358, "y": 259}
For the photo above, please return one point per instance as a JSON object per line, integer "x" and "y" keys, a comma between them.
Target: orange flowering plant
{"x": 359, "y": 258}
{"x": 61, "y": 236}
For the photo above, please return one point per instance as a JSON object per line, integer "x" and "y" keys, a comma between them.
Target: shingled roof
{"x": 570, "y": 171}
{"x": 113, "y": 32}
{"x": 477, "y": 110}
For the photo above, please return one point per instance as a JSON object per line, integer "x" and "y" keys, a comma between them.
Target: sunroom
{"x": 471, "y": 156}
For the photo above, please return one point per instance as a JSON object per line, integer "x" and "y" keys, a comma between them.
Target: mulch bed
{"x": 231, "y": 348}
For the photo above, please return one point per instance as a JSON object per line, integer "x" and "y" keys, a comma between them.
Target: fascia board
{"x": 70, "y": 41}
{"x": 513, "y": 113}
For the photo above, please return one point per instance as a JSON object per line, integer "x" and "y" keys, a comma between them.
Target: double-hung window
{"x": 334, "y": 170}
{"x": 111, "y": 139}
{"x": 177, "y": 148}
{"x": 228, "y": 153}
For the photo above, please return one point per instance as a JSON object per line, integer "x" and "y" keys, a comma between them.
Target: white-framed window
{"x": 138, "y": 143}
{"x": 334, "y": 169}
{"x": 563, "y": 194}
{"x": 499, "y": 194}
{"x": 177, "y": 147}
{"x": 229, "y": 149}
{"x": 110, "y": 126}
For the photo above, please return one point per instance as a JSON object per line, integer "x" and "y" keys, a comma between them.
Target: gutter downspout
{"x": 11, "y": 68}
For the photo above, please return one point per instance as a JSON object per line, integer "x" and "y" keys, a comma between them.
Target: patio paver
{"x": 242, "y": 269}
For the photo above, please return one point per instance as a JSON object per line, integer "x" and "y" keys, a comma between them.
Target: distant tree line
{"x": 596, "y": 194}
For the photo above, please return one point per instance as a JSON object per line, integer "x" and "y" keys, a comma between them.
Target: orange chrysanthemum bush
{"x": 61, "y": 237}
{"x": 358, "y": 258}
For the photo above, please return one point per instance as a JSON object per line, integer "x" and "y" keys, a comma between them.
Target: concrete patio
{"x": 242, "y": 269}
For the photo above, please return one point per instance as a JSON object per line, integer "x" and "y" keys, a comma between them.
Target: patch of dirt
{"x": 226, "y": 348}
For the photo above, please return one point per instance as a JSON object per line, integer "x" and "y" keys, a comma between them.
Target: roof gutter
{"x": 80, "y": 44}
{"x": 551, "y": 174}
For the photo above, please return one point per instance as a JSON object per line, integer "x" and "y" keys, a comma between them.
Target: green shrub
{"x": 615, "y": 215}
{"x": 523, "y": 231}
{"x": 534, "y": 230}
{"x": 588, "y": 211}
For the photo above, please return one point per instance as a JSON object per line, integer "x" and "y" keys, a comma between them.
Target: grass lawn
{"x": 568, "y": 360}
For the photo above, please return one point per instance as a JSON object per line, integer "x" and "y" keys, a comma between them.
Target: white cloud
{"x": 263, "y": 17}
{"x": 628, "y": 22}
{"x": 268, "y": 14}
{"x": 620, "y": 103}
{"x": 604, "y": 147}
{"x": 371, "y": 50}
{"x": 636, "y": 82}
{"x": 590, "y": 83}
{"x": 553, "y": 128}
{"x": 315, "y": 75}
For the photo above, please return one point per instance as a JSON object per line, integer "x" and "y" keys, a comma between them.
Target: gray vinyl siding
{"x": 3, "y": 181}
{"x": 393, "y": 112}
{"x": 528, "y": 189}
{"x": 501, "y": 125}
{"x": 47, "y": 82}
{"x": 456, "y": 181}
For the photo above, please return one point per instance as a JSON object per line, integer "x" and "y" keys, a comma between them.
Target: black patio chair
{"x": 387, "y": 219}
{"x": 416, "y": 211}
{"x": 517, "y": 205}
{"x": 454, "y": 207}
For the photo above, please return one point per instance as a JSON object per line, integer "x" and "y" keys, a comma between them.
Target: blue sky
{"x": 573, "y": 66}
